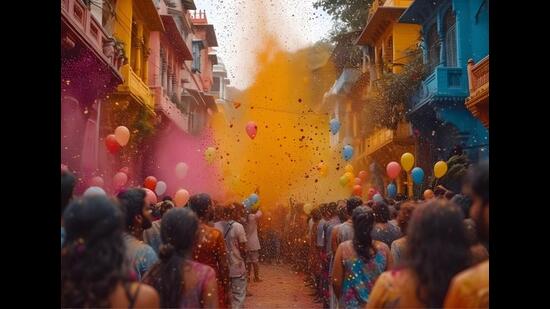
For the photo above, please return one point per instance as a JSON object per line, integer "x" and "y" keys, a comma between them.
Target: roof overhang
{"x": 376, "y": 26}
{"x": 176, "y": 39}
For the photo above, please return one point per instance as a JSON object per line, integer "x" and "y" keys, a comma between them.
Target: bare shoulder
{"x": 147, "y": 296}
{"x": 379, "y": 245}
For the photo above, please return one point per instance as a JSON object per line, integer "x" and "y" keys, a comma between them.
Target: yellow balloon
{"x": 440, "y": 168}
{"x": 349, "y": 175}
{"x": 209, "y": 154}
{"x": 308, "y": 208}
{"x": 344, "y": 180}
{"x": 407, "y": 161}
{"x": 349, "y": 168}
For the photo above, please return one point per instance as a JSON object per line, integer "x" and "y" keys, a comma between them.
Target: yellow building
{"x": 135, "y": 20}
{"x": 385, "y": 45}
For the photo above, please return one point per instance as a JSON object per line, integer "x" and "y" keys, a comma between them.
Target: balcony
{"x": 164, "y": 104}
{"x": 134, "y": 86}
{"x": 444, "y": 84}
{"x": 478, "y": 101}
{"x": 383, "y": 137}
{"x": 78, "y": 17}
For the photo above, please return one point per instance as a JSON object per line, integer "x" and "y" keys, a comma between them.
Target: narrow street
{"x": 281, "y": 288}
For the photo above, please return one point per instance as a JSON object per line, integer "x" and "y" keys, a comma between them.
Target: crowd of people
{"x": 123, "y": 252}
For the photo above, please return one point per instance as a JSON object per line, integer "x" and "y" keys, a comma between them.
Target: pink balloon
{"x": 251, "y": 129}
{"x": 357, "y": 181}
{"x": 125, "y": 170}
{"x": 150, "y": 197}
{"x": 363, "y": 175}
{"x": 64, "y": 168}
{"x": 393, "y": 169}
{"x": 120, "y": 179}
{"x": 181, "y": 197}
{"x": 97, "y": 181}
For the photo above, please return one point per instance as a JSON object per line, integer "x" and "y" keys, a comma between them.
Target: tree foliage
{"x": 349, "y": 15}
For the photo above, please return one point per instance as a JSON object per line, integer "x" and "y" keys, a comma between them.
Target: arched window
{"x": 450, "y": 38}
{"x": 433, "y": 47}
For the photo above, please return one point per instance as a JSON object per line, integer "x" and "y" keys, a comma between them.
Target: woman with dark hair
{"x": 398, "y": 246}
{"x": 180, "y": 281}
{"x": 94, "y": 272}
{"x": 209, "y": 248}
{"x": 359, "y": 262}
{"x": 151, "y": 236}
{"x": 383, "y": 230}
{"x": 437, "y": 249}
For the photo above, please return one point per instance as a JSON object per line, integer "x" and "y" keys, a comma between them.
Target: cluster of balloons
{"x": 251, "y": 201}
{"x": 114, "y": 142}
{"x": 355, "y": 182}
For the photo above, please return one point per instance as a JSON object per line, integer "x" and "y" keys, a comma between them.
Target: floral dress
{"x": 359, "y": 276}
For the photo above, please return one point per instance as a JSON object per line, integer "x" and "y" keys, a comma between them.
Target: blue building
{"x": 453, "y": 31}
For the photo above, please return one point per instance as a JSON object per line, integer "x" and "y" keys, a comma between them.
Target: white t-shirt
{"x": 253, "y": 243}
{"x": 234, "y": 234}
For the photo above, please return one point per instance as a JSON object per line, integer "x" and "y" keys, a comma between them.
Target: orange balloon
{"x": 428, "y": 194}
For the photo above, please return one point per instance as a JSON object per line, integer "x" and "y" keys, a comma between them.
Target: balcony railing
{"x": 383, "y": 137}
{"x": 134, "y": 85}
{"x": 79, "y": 16}
{"x": 478, "y": 101}
{"x": 444, "y": 82}
{"x": 478, "y": 75}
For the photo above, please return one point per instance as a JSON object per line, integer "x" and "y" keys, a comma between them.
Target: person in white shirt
{"x": 235, "y": 242}
{"x": 253, "y": 243}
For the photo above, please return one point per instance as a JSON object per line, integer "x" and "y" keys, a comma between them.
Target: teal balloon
{"x": 347, "y": 153}
{"x": 392, "y": 190}
{"x": 378, "y": 198}
{"x": 334, "y": 126}
{"x": 417, "y": 175}
{"x": 253, "y": 198}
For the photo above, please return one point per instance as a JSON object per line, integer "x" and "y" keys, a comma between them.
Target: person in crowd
{"x": 383, "y": 230}
{"x": 253, "y": 243}
{"x": 180, "y": 281}
{"x": 398, "y": 246}
{"x": 470, "y": 288}
{"x": 152, "y": 236}
{"x": 209, "y": 249}
{"x": 344, "y": 231}
{"x": 138, "y": 219}
{"x": 235, "y": 242}
{"x": 436, "y": 250}
{"x": 94, "y": 272}
{"x": 67, "y": 186}
{"x": 359, "y": 262}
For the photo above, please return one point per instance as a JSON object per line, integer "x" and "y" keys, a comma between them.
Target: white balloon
{"x": 181, "y": 170}
{"x": 160, "y": 188}
{"x": 122, "y": 135}
{"x": 94, "y": 191}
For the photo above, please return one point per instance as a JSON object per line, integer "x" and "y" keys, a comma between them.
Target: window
{"x": 216, "y": 84}
{"x": 197, "y": 46}
{"x": 450, "y": 38}
{"x": 433, "y": 47}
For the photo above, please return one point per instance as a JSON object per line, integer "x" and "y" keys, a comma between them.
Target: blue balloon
{"x": 253, "y": 198}
{"x": 378, "y": 198}
{"x": 334, "y": 126}
{"x": 392, "y": 190}
{"x": 417, "y": 175}
{"x": 247, "y": 203}
{"x": 347, "y": 153}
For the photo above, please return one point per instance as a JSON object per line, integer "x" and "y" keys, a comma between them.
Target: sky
{"x": 242, "y": 25}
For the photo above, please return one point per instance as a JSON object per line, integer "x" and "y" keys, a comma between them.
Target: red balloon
{"x": 112, "y": 145}
{"x": 357, "y": 190}
{"x": 371, "y": 192}
{"x": 150, "y": 183}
